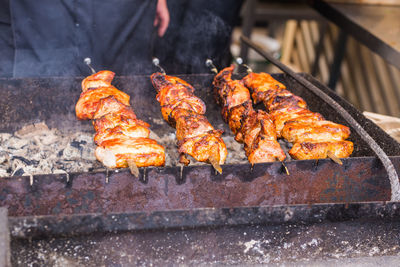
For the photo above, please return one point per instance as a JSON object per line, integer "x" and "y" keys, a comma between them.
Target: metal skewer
{"x": 210, "y": 64}
{"x": 156, "y": 62}
{"x": 133, "y": 168}
{"x": 239, "y": 61}
{"x": 88, "y": 62}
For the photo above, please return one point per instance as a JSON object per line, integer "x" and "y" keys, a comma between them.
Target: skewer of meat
{"x": 185, "y": 112}
{"x": 312, "y": 136}
{"x": 122, "y": 140}
{"x": 253, "y": 128}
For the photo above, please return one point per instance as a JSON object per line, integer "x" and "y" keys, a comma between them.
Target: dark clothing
{"x": 52, "y": 37}
{"x": 198, "y": 30}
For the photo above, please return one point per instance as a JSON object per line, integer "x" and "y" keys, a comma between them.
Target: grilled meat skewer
{"x": 122, "y": 139}
{"x": 313, "y": 136}
{"x": 184, "y": 111}
{"x": 253, "y": 128}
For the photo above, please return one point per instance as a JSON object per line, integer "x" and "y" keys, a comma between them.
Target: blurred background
{"x": 304, "y": 40}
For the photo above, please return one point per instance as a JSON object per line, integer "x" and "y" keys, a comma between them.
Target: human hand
{"x": 162, "y": 17}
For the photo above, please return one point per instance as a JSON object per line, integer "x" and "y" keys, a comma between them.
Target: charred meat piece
{"x": 100, "y": 79}
{"x": 253, "y": 128}
{"x": 312, "y": 136}
{"x": 320, "y": 150}
{"x": 184, "y": 111}
{"x": 262, "y": 83}
{"x": 115, "y": 153}
{"x": 89, "y": 101}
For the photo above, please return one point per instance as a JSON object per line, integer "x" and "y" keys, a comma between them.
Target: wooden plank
{"x": 367, "y": 2}
{"x": 386, "y": 86}
{"x": 308, "y": 42}
{"x": 322, "y": 63}
{"x": 288, "y": 40}
{"x": 372, "y": 80}
{"x": 302, "y": 52}
{"x": 352, "y": 71}
{"x": 394, "y": 74}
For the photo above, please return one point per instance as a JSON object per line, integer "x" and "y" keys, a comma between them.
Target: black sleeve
{"x": 6, "y": 41}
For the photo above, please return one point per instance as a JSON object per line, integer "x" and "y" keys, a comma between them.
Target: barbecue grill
{"x": 193, "y": 198}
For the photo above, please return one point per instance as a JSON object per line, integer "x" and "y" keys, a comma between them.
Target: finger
{"x": 163, "y": 26}
{"x": 156, "y": 21}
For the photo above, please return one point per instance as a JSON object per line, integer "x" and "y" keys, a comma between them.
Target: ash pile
{"x": 36, "y": 149}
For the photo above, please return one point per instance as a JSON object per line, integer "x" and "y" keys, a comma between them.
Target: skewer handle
{"x": 156, "y": 62}
{"x": 239, "y": 61}
{"x": 210, "y": 64}
{"x": 88, "y": 62}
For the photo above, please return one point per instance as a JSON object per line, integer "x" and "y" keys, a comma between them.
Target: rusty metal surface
{"x": 358, "y": 179}
{"x": 86, "y": 197}
{"x": 87, "y": 204}
{"x": 332, "y": 236}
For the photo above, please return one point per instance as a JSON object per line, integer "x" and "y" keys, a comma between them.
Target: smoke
{"x": 202, "y": 30}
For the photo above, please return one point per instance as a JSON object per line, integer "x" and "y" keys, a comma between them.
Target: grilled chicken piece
{"x": 120, "y": 136}
{"x": 314, "y": 131}
{"x": 112, "y": 120}
{"x": 112, "y": 105}
{"x": 115, "y": 153}
{"x": 100, "y": 79}
{"x": 206, "y": 147}
{"x": 300, "y": 115}
{"x": 133, "y": 131}
{"x": 190, "y": 103}
{"x": 89, "y": 101}
{"x": 184, "y": 111}
{"x": 320, "y": 150}
{"x": 261, "y": 83}
{"x": 253, "y": 128}
{"x": 313, "y": 137}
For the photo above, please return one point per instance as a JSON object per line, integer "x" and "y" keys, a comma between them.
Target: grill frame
{"x": 29, "y": 100}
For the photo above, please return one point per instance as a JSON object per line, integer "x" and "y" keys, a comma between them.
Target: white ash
{"x": 36, "y": 149}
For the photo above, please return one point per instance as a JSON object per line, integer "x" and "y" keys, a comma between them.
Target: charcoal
{"x": 19, "y": 172}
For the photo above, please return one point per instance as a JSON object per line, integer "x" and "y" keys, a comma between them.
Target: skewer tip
{"x": 333, "y": 157}
{"x": 133, "y": 168}
{"x": 215, "y": 165}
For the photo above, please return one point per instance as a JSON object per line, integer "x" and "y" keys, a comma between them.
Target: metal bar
{"x": 79, "y": 224}
{"x": 393, "y": 177}
{"x": 248, "y": 22}
{"x": 340, "y": 50}
{"x": 4, "y": 238}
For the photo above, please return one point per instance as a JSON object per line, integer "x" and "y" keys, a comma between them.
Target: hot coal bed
{"x": 78, "y": 196}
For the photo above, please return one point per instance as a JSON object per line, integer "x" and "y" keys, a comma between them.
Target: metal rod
{"x": 239, "y": 61}
{"x": 210, "y": 64}
{"x": 88, "y": 62}
{"x": 392, "y": 174}
{"x": 156, "y": 62}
